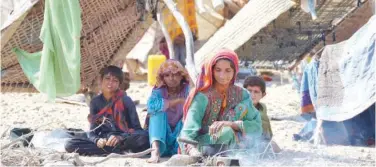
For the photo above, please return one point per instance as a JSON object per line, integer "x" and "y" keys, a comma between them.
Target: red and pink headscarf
{"x": 114, "y": 109}
{"x": 205, "y": 80}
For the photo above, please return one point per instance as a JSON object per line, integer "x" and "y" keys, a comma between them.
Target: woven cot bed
{"x": 106, "y": 26}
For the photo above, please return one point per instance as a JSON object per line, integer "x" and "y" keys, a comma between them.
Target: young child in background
{"x": 257, "y": 88}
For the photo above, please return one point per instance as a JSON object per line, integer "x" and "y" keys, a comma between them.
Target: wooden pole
{"x": 190, "y": 65}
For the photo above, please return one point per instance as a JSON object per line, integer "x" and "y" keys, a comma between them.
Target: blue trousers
{"x": 160, "y": 130}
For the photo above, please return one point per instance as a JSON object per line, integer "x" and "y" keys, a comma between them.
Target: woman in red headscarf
{"x": 217, "y": 111}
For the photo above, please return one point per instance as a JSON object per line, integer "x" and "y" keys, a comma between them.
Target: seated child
{"x": 256, "y": 87}
{"x": 121, "y": 130}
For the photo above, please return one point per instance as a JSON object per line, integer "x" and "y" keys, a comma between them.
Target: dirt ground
{"x": 31, "y": 110}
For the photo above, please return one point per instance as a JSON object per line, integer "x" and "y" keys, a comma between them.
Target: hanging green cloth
{"x": 55, "y": 70}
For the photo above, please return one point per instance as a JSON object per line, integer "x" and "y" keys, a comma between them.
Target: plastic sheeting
{"x": 11, "y": 10}
{"x": 347, "y": 76}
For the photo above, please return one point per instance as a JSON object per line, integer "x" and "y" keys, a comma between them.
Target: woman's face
{"x": 172, "y": 80}
{"x": 223, "y": 72}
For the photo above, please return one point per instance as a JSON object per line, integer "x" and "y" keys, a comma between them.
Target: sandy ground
{"x": 32, "y": 110}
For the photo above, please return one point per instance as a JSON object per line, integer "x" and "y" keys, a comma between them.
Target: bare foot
{"x": 154, "y": 157}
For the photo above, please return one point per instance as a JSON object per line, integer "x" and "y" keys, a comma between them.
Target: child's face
{"x": 256, "y": 94}
{"x": 110, "y": 83}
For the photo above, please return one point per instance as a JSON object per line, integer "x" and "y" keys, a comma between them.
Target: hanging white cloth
{"x": 309, "y": 7}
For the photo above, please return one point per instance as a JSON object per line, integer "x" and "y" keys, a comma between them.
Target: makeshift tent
{"x": 346, "y": 90}
{"x": 107, "y": 26}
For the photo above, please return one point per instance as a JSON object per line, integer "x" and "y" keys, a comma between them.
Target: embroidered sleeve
{"x": 193, "y": 121}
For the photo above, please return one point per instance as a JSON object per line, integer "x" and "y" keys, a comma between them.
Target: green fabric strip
{"x": 55, "y": 70}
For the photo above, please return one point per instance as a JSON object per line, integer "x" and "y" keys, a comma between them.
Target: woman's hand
{"x": 217, "y": 126}
{"x": 101, "y": 142}
{"x": 113, "y": 141}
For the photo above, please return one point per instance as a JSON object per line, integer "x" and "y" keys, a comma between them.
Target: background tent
{"x": 347, "y": 88}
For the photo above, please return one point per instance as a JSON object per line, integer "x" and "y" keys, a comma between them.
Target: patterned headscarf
{"x": 171, "y": 66}
{"x": 205, "y": 80}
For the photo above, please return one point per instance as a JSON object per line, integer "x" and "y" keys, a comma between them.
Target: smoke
{"x": 250, "y": 150}
{"x": 256, "y": 150}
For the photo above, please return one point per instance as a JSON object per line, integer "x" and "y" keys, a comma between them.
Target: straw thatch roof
{"x": 294, "y": 33}
{"x": 106, "y": 25}
{"x": 246, "y": 23}
{"x": 353, "y": 22}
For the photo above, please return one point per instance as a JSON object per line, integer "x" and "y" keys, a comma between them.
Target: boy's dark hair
{"x": 114, "y": 71}
{"x": 255, "y": 81}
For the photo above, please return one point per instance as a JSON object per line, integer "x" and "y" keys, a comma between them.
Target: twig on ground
{"x": 105, "y": 120}
{"x": 114, "y": 155}
{"x": 79, "y": 162}
{"x": 77, "y": 159}
{"x": 23, "y": 137}
{"x": 20, "y": 157}
{"x": 5, "y": 131}
{"x": 259, "y": 155}
{"x": 70, "y": 102}
{"x": 26, "y": 156}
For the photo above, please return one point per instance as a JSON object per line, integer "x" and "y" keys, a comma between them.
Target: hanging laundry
{"x": 55, "y": 70}
{"x": 308, "y": 86}
{"x": 308, "y": 6}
